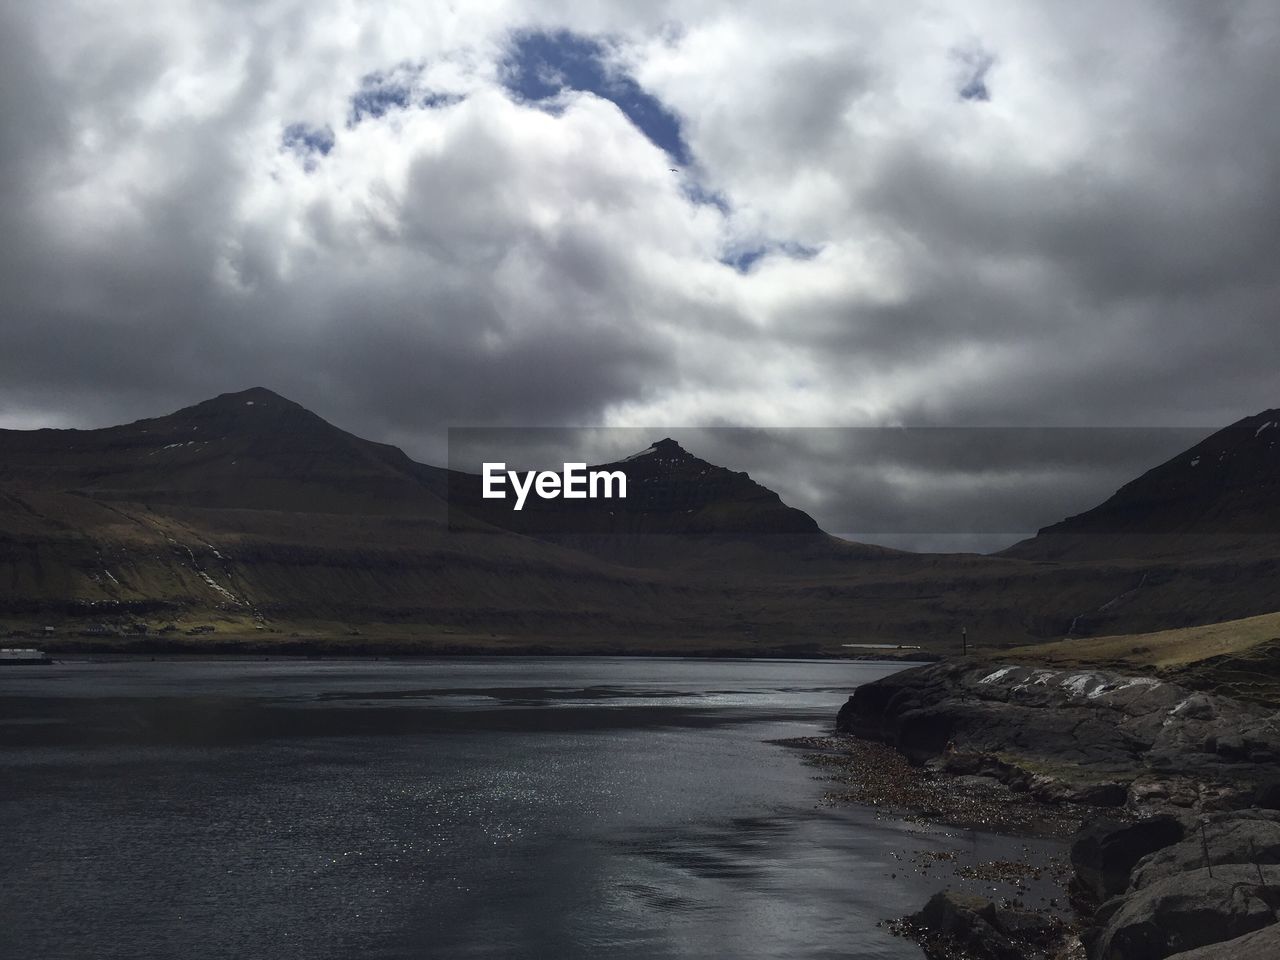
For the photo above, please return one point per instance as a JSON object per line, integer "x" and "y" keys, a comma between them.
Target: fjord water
{"x": 565, "y": 808}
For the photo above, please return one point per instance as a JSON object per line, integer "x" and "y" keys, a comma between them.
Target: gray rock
{"x": 1089, "y": 736}
{"x": 1104, "y": 852}
{"x": 1267, "y": 796}
{"x": 983, "y": 930}
{"x": 1189, "y": 910}
{"x": 1239, "y": 837}
{"x": 1076, "y": 735}
{"x": 1056, "y": 790}
{"x": 1261, "y": 945}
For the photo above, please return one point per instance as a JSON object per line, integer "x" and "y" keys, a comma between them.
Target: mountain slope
{"x": 1222, "y": 495}
{"x": 680, "y": 513}
{"x": 252, "y": 449}
{"x": 251, "y": 513}
{"x": 669, "y": 491}
{"x": 251, "y": 516}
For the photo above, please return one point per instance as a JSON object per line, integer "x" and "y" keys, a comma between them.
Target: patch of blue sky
{"x": 307, "y": 143}
{"x": 742, "y": 259}
{"x": 696, "y": 193}
{"x": 542, "y": 65}
{"x": 973, "y": 85}
{"x": 399, "y": 88}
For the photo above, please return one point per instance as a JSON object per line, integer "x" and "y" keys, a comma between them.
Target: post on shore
{"x": 964, "y": 641}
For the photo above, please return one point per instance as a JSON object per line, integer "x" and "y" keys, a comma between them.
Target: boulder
{"x": 1238, "y": 837}
{"x": 1055, "y": 790}
{"x": 1188, "y": 910}
{"x": 1263, "y": 944}
{"x": 1105, "y": 851}
{"x": 982, "y": 930}
{"x": 1267, "y": 795}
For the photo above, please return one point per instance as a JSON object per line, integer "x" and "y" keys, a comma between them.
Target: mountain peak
{"x": 255, "y": 408}
{"x": 254, "y": 393}
{"x": 1227, "y": 485}
{"x": 665, "y": 451}
{"x": 254, "y": 396}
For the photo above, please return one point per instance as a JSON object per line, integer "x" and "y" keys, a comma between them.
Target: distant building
{"x": 23, "y": 655}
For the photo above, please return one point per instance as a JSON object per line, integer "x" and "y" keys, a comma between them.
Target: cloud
{"x": 690, "y": 214}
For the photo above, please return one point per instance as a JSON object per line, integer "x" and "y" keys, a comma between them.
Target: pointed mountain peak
{"x": 254, "y": 396}
{"x": 246, "y": 403}
{"x": 256, "y": 411}
{"x": 665, "y": 450}
{"x": 667, "y": 445}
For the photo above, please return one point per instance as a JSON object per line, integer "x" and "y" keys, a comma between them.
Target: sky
{"x": 410, "y": 216}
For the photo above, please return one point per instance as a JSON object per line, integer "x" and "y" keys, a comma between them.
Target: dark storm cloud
{"x": 1059, "y": 215}
{"x": 36, "y": 124}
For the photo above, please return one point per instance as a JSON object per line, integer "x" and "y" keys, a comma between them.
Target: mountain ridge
{"x": 1223, "y": 491}
{"x": 670, "y": 491}
{"x": 252, "y": 516}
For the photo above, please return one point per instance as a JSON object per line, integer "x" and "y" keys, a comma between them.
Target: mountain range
{"x": 247, "y": 522}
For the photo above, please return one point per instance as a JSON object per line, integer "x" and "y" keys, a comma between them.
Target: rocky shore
{"x": 1179, "y": 852}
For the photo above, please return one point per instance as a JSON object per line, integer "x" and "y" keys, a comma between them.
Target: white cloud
{"x": 1017, "y": 260}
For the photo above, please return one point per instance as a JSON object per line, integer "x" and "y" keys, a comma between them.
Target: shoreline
{"x": 1169, "y": 785}
{"x": 874, "y": 775}
{"x": 303, "y": 650}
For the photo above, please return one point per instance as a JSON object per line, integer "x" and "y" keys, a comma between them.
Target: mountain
{"x": 680, "y": 513}
{"x": 253, "y": 450}
{"x": 1222, "y": 495}
{"x": 251, "y": 517}
{"x": 669, "y": 491}
{"x": 253, "y": 512}
{"x": 250, "y": 513}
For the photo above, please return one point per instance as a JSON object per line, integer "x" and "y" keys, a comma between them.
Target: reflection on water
{"x": 470, "y": 808}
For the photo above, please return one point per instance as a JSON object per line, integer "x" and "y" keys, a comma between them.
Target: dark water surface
{"x": 523, "y": 807}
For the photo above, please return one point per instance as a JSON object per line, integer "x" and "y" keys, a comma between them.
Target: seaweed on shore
{"x": 876, "y": 775}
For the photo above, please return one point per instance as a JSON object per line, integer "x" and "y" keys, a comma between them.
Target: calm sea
{"x": 522, "y": 807}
